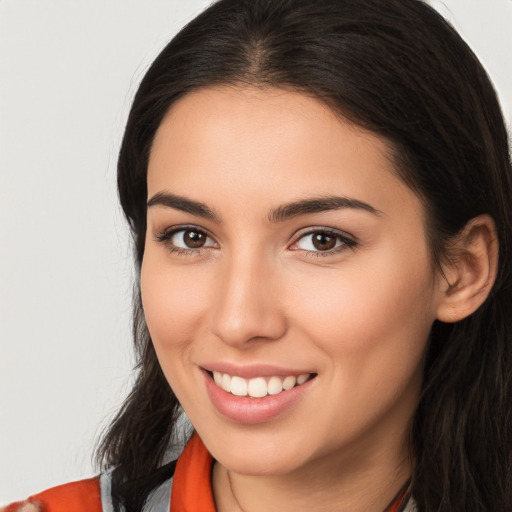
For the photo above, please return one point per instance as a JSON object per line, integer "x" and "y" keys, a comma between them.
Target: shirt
{"x": 189, "y": 490}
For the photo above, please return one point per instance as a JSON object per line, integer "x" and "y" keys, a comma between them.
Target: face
{"x": 286, "y": 281}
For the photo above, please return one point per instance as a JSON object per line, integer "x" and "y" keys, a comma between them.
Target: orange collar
{"x": 191, "y": 486}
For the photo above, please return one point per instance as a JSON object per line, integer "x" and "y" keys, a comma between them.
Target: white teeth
{"x": 275, "y": 386}
{"x": 226, "y": 382}
{"x": 238, "y": 386}
{"x": 217, "y": 377}
{"x": 302, "y": 378}
{"x": 257, "y": 387}
{"x": 289, "y": 382}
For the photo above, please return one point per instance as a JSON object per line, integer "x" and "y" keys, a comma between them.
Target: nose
{"x": 248, "y": 307}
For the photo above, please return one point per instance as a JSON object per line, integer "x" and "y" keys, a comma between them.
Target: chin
{"x": 262, "y": 454}
{"x": 278, "y": 464}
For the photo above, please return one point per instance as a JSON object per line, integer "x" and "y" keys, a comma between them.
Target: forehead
{"x": 283, "y": 144}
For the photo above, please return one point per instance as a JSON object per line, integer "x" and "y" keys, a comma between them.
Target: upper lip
{"x": 253, "y": 370}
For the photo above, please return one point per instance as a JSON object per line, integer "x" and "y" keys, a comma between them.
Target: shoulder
{"x": 91, "y": 495}
{"x": 80, "y": 496}
{"x": 187, "y": 480}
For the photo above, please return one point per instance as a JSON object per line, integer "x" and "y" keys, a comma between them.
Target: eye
{"x": 190, "y": 239}
{"x": 186, "y": 239}
{"x": 322, "y": 240}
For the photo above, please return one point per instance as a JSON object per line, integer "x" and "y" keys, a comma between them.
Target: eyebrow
{"x": 279, "y": 214}
{"x": 318, "y": 205}
{"x": 183, "y": 204}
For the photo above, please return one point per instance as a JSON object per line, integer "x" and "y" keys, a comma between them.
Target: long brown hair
{"x": 398, "y": 69}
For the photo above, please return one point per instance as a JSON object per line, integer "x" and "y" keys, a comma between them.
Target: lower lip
{"x": 244, "y": 409}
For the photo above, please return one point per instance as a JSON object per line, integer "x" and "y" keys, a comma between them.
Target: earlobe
{"x": 471, "y": 271}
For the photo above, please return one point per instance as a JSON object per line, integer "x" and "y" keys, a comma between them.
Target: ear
{"x": 471, "y": 270}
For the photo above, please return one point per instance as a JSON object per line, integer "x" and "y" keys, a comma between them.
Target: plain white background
{"x": 68, "y": 71}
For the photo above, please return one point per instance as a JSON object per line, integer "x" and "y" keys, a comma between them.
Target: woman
{"x": 320, "y": 197}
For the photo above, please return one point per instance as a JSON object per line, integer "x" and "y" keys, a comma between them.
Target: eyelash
{"x": 165, "y": 238}
{"x": 346, "y": 241}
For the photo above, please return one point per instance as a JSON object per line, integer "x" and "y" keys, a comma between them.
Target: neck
{"x": 351, "y": 485}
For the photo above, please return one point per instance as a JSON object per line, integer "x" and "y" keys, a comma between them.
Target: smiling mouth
{"x": 258, "y": 387}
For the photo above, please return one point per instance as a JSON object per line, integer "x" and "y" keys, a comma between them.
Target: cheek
{"x": 173, "y": 303}
{"x": 371, "y": 325}
{"x": 374, "y": 311}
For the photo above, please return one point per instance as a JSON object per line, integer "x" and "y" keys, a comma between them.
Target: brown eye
{"x": 190, "y": 238}
{"x": 194, "y": 239}
{"x": 323, "y": 241}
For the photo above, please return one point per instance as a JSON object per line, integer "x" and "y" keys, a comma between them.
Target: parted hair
{"x": 399, "y": 70}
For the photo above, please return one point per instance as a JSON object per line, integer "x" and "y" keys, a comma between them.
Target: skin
{"x": 258, "y": 291}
